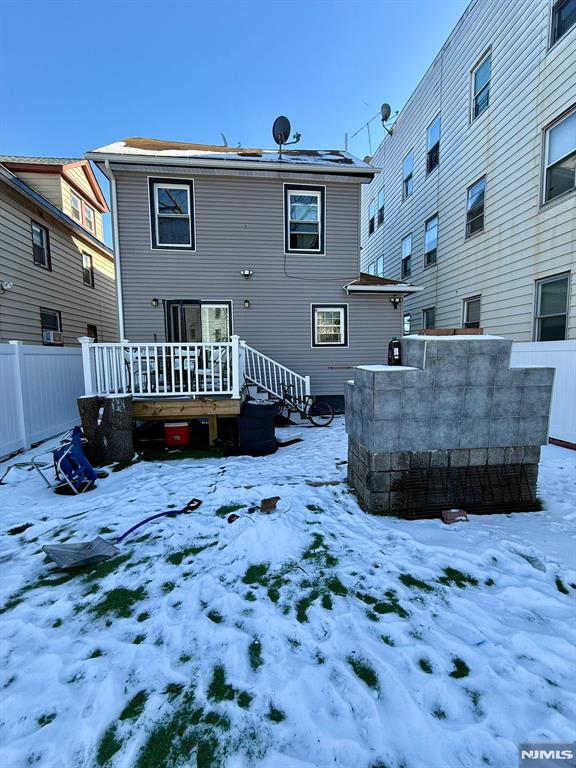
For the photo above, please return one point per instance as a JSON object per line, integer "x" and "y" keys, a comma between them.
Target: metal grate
{"x": 485, "y": 489}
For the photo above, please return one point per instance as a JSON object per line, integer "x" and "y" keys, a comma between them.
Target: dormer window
{"x": 89, "y": 218}
{"x": 171, "y": 214}
{"x": 76, "y": 206}
{"x": 304, "y": 219}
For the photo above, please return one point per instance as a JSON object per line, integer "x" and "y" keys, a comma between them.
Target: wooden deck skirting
{"x": 187, "y": 408}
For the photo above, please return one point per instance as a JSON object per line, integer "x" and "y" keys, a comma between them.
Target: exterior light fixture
{"x": 155, "y": 302}
{"x": 246, "y": 303}
{"x": 6, "y": 285}
{"x": 246, "y": 273}
{"x": 395, "y": 301}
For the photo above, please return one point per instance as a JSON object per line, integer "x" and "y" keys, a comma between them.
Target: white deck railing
{"x": 162, "y": 370}
{"x": 272, "y": 376}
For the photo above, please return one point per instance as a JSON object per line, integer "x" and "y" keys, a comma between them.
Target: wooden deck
{"x": 180, "y": 409}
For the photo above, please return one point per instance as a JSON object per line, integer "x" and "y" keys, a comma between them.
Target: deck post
{"x": 307, "y": 384}
{"x": 86, "y": 342}
{"x": 235, "y": 372}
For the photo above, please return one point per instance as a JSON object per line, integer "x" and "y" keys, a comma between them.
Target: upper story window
{"x": 481, "y": 86}
{"x": 471, "y": 312}
{"x": 380, "y": 266}
{"x": 551, "y": 308}
{"x": 329, "y": 325}
{"x": 89, "y": 218}
{"x": 87, "y": 270}
{"x": 371, "y": 216}
{"x": 430, "y": 241}
{"x": 429, "y": 317}
{"x": 76, "y": 206}
{"x": 433, "y": 146}
{"x": 40, "y": 246}
{"x": 51, "y": 324}
{"x": 172, "y": 214}
{"x": 380, "y": 208}
{"x": 560, "y": 157}
{"x": 304, "y": 219}
{"x": 563, "y": 18}
{"x": 406, "y": 256}
{"x": 475, "y": 207}
{"x": 407, "y": 175}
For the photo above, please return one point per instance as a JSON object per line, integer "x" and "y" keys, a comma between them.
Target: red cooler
{"x": 177, "y": 433}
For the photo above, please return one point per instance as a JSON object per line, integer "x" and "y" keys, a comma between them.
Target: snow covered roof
{"x": 142, "y": 149}
{"x": 373, "y": 284}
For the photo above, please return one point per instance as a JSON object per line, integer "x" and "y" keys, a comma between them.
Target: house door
{"x": 194, "y": 321}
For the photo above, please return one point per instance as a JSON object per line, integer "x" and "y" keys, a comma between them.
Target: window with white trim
{"x": 380, "y": 266}
{"x": 304, "y": 219}
{"x": 40, "y": 246}
{"x": 407, "y": 323}
{"x": 76, "y": 207}
{"x": 475, "y": 207}
{"x": 430, "y": 241}
{"x": 216, "y": 322}
{"x": 406, "y": 256}
{"x": 51, "y": 324}
{"x": 563, "y": 19}
{"x": 172, "y": 214}
{"x": 87, "y": 270}
{"x": 380, "y": 209}
{"x": 560, "y": 157}
{"x": 433, "y": 146}
{"x": 89, "y": 220}
{"x": 471, "y": 312}
{"x": 551, "y": 308}
{"x": 481, "y": 75}
{"x": 371, "y": 216}
{"x": 429, "y": 317}
{"x": 329, "y": 325}
{"x": 407, "y": 175}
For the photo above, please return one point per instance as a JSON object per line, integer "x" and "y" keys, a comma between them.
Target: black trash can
{"x": 256, "y": 427}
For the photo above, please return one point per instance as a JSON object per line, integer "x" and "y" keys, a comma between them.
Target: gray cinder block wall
{"x": 453, "y": 426}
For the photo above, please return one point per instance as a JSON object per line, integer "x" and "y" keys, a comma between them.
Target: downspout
{"x": 116, "y": 249}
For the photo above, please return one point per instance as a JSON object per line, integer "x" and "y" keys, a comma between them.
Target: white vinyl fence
{"x": 562, "y": 356}
{"x": 39, "y": 387}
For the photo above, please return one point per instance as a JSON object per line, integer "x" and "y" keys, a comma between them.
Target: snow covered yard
{"x": 317, "y": 636}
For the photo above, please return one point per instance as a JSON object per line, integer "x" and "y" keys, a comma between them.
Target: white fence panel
{"x": 562, "y": 356}
{"x": 39, "y": 387}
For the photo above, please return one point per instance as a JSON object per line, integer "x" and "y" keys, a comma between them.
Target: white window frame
{"x": 227, "y": 305}
{"x": 74, "y": 196}
{"x": 473, "y": 94}
{"x": 58, "y": 315}
{"x": 343, "y": 309}
{"x": 468, "y": 189}
{"x": 537, "y": 300}
{"x": 427, "y": 262}
{"x": 89, "y": 269}
{"x": 404, "y": 256}
{"x": 407, "y": 177}
{"x": 430, "y": 147}
{"x": 87, "y": 208}
{"x": 320, "y": 195}
{"x": 406, "y": 316}
{"x": 465, "y": 303}
{"x": 547, "y": 165}
{"x": 428, "y": 309}
{"x": 169, "y": 185}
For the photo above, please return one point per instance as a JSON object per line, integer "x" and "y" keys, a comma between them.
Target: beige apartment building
{"x": 476, "y": 199}
{"x": 56, "y": 273}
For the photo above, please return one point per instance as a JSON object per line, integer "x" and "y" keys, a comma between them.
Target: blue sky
{"x": 80, "y": 74}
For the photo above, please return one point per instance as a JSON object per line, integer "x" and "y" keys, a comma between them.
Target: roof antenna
{"x": 224, "y": 140}
{"x": 281, "y": 133}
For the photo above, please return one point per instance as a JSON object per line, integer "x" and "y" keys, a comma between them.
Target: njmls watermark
{"x": 549, "y": 754}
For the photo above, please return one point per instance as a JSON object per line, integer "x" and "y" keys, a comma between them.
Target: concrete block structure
{"x": 453, "y": 427}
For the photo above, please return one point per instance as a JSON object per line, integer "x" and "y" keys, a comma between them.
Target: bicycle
{"x": 318, "y": 412}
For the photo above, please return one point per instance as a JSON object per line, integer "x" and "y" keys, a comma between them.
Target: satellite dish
{"x": 385, "y": 111}
{"x": 281, "y": 130}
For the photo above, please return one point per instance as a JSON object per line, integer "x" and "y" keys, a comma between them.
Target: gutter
{"x": 201, "y": 162}
{"x": 116, "y": 249}
{"x": 399, "y": 288}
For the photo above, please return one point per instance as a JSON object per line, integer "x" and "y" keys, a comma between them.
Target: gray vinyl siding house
{"x": 525, "y": 238}
{"x": 239, "y": 223}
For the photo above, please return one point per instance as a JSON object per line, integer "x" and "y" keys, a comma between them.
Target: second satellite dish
{"x": 281, "y": 130}
{"x": 385, "y": 111}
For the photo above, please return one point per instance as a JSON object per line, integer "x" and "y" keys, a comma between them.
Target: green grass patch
{"x": 364, "y": 672}
{"x": 96, "y": 653}
{"x": 453, "y": 577}
{"x": 276, "y": 715}
{"x": 119, "y": 602}
{"x": 439, "y": 713}
{"x": 245, "y": 700}
{"x": 319, "y": 553}
{"x": 228, "y": 509}
{"x": 335, "y": 586}
{"x": 219, "y": 689}
{"x": 144, "y": 616}
{"x": 139, "y": 639}
{"x": 215, "y": 617}
{"x": 256, "y": 574}
{"x": 46, "y": 719}
{"x": 106, "y": 567}
{"x": 108, "y": 746}
{"x": 135, "y": 706}
{"x": 167, "y": 587}
{"x": 412, "y": 583}
{"x": 314, "y": 508}
{"x": 560, "y": 586}
{"x": 57, "y": 623}
{"x": 19, "y": 529}
{"x": 326, "y": 601}
{"x": 250, "y": 596}
{"x": 303, "y": 605}
{"x": 388, "y": 640}
{"x": 173, "y": 690}
{"x": 425, "y": 666}
{"x": 255, "y": 654}
{"x": 169, "y": 454}
{"x": 461, "y": 669}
